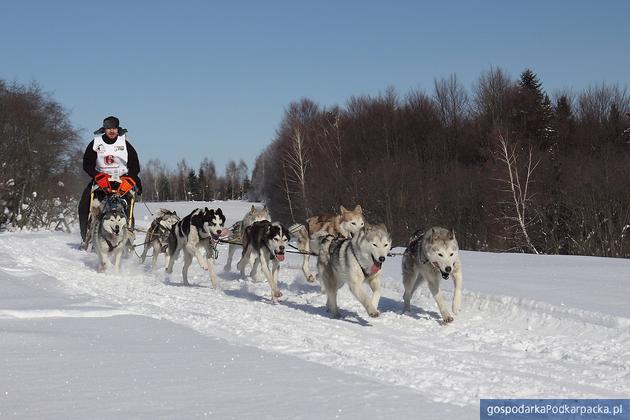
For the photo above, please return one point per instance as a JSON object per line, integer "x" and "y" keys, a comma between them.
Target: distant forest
{"x": 508, "y": 166}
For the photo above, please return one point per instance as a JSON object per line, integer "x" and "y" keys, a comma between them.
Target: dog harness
{"x": 160, "y": 232}
{"x": 109, "y": 244}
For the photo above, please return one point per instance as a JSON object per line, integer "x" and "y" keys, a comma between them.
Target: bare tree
{"x": 38, "y": 146}
{"x": 491, "y": 96}
{"x": 452, "y": 100}
{"x": 517, "y": 185}
{"x": 297, "y": 163}
{"x": 231, "y": 177}
{"x": 242, "y": 179}
{"x": 181, "y": 178}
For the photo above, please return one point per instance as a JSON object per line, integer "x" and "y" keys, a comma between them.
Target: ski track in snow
{"x": 498, "y": 347}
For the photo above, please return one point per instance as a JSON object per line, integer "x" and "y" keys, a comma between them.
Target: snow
{"x": 81, "y": 344}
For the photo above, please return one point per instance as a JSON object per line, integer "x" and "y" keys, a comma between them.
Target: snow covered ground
{"x": 78, "y": 344}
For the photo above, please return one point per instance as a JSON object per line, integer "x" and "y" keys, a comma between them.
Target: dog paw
{"x": 448, "y": 319}
{"x": 226, "y": 268}
{"x": 311, "y": 279}
{"x": 374, "y": 314}
{"x": 277, "y": 293}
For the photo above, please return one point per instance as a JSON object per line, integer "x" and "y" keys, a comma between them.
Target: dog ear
{"x": 358, "y": 209}
{"x": 342, "y": 210}
{"x": 219, "y": 211}
{"x": 451, "y": 234}
{"x": 253, "y": 209}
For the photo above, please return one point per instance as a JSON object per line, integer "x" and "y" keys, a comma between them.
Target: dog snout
{"x": 218, "y": 231}
{"x": 281, "y": 247}
{"x": 447, "y": 269}
{"x": 381, "y": 259}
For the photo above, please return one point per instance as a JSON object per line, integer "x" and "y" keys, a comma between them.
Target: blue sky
{"x": 194, "y": 79}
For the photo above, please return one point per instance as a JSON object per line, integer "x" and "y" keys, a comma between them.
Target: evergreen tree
{"x": 533, "y": 110}
{"x": 192, "y": 186}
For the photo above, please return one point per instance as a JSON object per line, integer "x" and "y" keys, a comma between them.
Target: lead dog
{"x": 111, "y": 237}
{"x": 355, "y": 260}
{"x": 344, "y": 224}
{"x": 265, "y": 242}
{"x": 433, "y": 256}
{"x": 158, "y": 233}
{"x": 198, "y": 231}
{"x": 255, "y": 214}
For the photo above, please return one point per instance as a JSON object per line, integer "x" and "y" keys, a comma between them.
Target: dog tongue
{"x": 225, "y": 233}
{"x": 280, "y": 257}
{"x": 375, "y": 269}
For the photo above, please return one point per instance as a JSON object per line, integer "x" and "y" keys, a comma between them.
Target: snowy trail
{"x": 499, "y": 346}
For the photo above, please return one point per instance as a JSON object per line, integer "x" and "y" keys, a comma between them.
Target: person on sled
{"x": 112, "y": 163}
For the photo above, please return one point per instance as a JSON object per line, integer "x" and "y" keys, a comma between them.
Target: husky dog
{"x": 265, "y": 242}
{"x": 255, "y": 214}
{"x": 431, "y": 256}
{"x": 158, "y": 233}
{"x": 110, "y": 238}
{"x": 354, "y": 260}
{"x": 200, "y": 229}
{"x": 345, "y": 224}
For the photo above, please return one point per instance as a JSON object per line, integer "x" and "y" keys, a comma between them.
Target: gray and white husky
{"x": 197, "y": 232}
{"x": 433, "y": 256}
{"x": 158, "y": 233}
{"x": 355, "y": 260}
{"x": 255, "y": 214}
{"x": 265, "y": 242}
{"x": 110, "y": 239}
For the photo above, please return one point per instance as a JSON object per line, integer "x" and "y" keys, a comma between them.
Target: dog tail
{"x": 296, "y": 227}
{"x": 160, "y": 213}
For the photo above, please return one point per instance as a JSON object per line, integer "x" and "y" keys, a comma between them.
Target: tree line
{"x": 184, "y": 183}
{"x": 506, "y": 165}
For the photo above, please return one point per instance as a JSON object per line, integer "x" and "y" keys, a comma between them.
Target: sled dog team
{"x": 348, "y": 250}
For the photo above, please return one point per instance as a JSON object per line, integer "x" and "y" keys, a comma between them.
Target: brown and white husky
{"x": 345, "y": 225}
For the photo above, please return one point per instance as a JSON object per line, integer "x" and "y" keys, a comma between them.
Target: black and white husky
{"x": 197, "y": 232}
{"x": 110, "y": 239}
{"x": 158, "y": 233}
{"x": 265, "y": 242}
{"x": 433, "y": 256}
{"x": 255, "y": 214}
